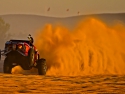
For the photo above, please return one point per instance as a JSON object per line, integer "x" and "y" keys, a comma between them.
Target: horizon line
{"x": 62, "y": 16}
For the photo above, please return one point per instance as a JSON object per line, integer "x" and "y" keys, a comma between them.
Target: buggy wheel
{"x": 41, "y": 65}
{"x": 7, "y": 67}
{"x": 31, "y": 57}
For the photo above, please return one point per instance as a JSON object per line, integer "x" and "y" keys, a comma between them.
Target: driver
{"x": 31, "y": 40}
{"x": 31, "y": 44}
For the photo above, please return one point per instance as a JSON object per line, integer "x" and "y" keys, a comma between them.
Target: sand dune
{"x": 21, "y": 23}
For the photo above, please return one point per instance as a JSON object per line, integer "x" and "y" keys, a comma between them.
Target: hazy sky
{"x": 59, "y": 7}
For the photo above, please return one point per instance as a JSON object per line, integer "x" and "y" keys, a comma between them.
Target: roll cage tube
{"x": 1, "y": 53}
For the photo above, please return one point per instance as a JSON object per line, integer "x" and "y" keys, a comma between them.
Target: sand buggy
{"x": 23, "y": 53}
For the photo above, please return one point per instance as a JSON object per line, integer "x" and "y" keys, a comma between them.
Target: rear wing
{"x": 27, "y": 41}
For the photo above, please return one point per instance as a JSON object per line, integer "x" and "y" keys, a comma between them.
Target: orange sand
{"x": 35, "y": 84}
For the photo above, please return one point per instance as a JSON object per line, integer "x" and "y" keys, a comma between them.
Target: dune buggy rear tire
{"x": 41, "y": 65}
{"x": 7, "y": 67}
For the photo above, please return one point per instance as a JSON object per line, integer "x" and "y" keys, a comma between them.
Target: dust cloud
{"x": 19, "y": 70}
{"x": 92, "y": 47}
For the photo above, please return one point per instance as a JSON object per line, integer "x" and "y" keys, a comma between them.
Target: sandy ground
{"x": 30, "y": 83}
{"x": 12, "y": 84}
